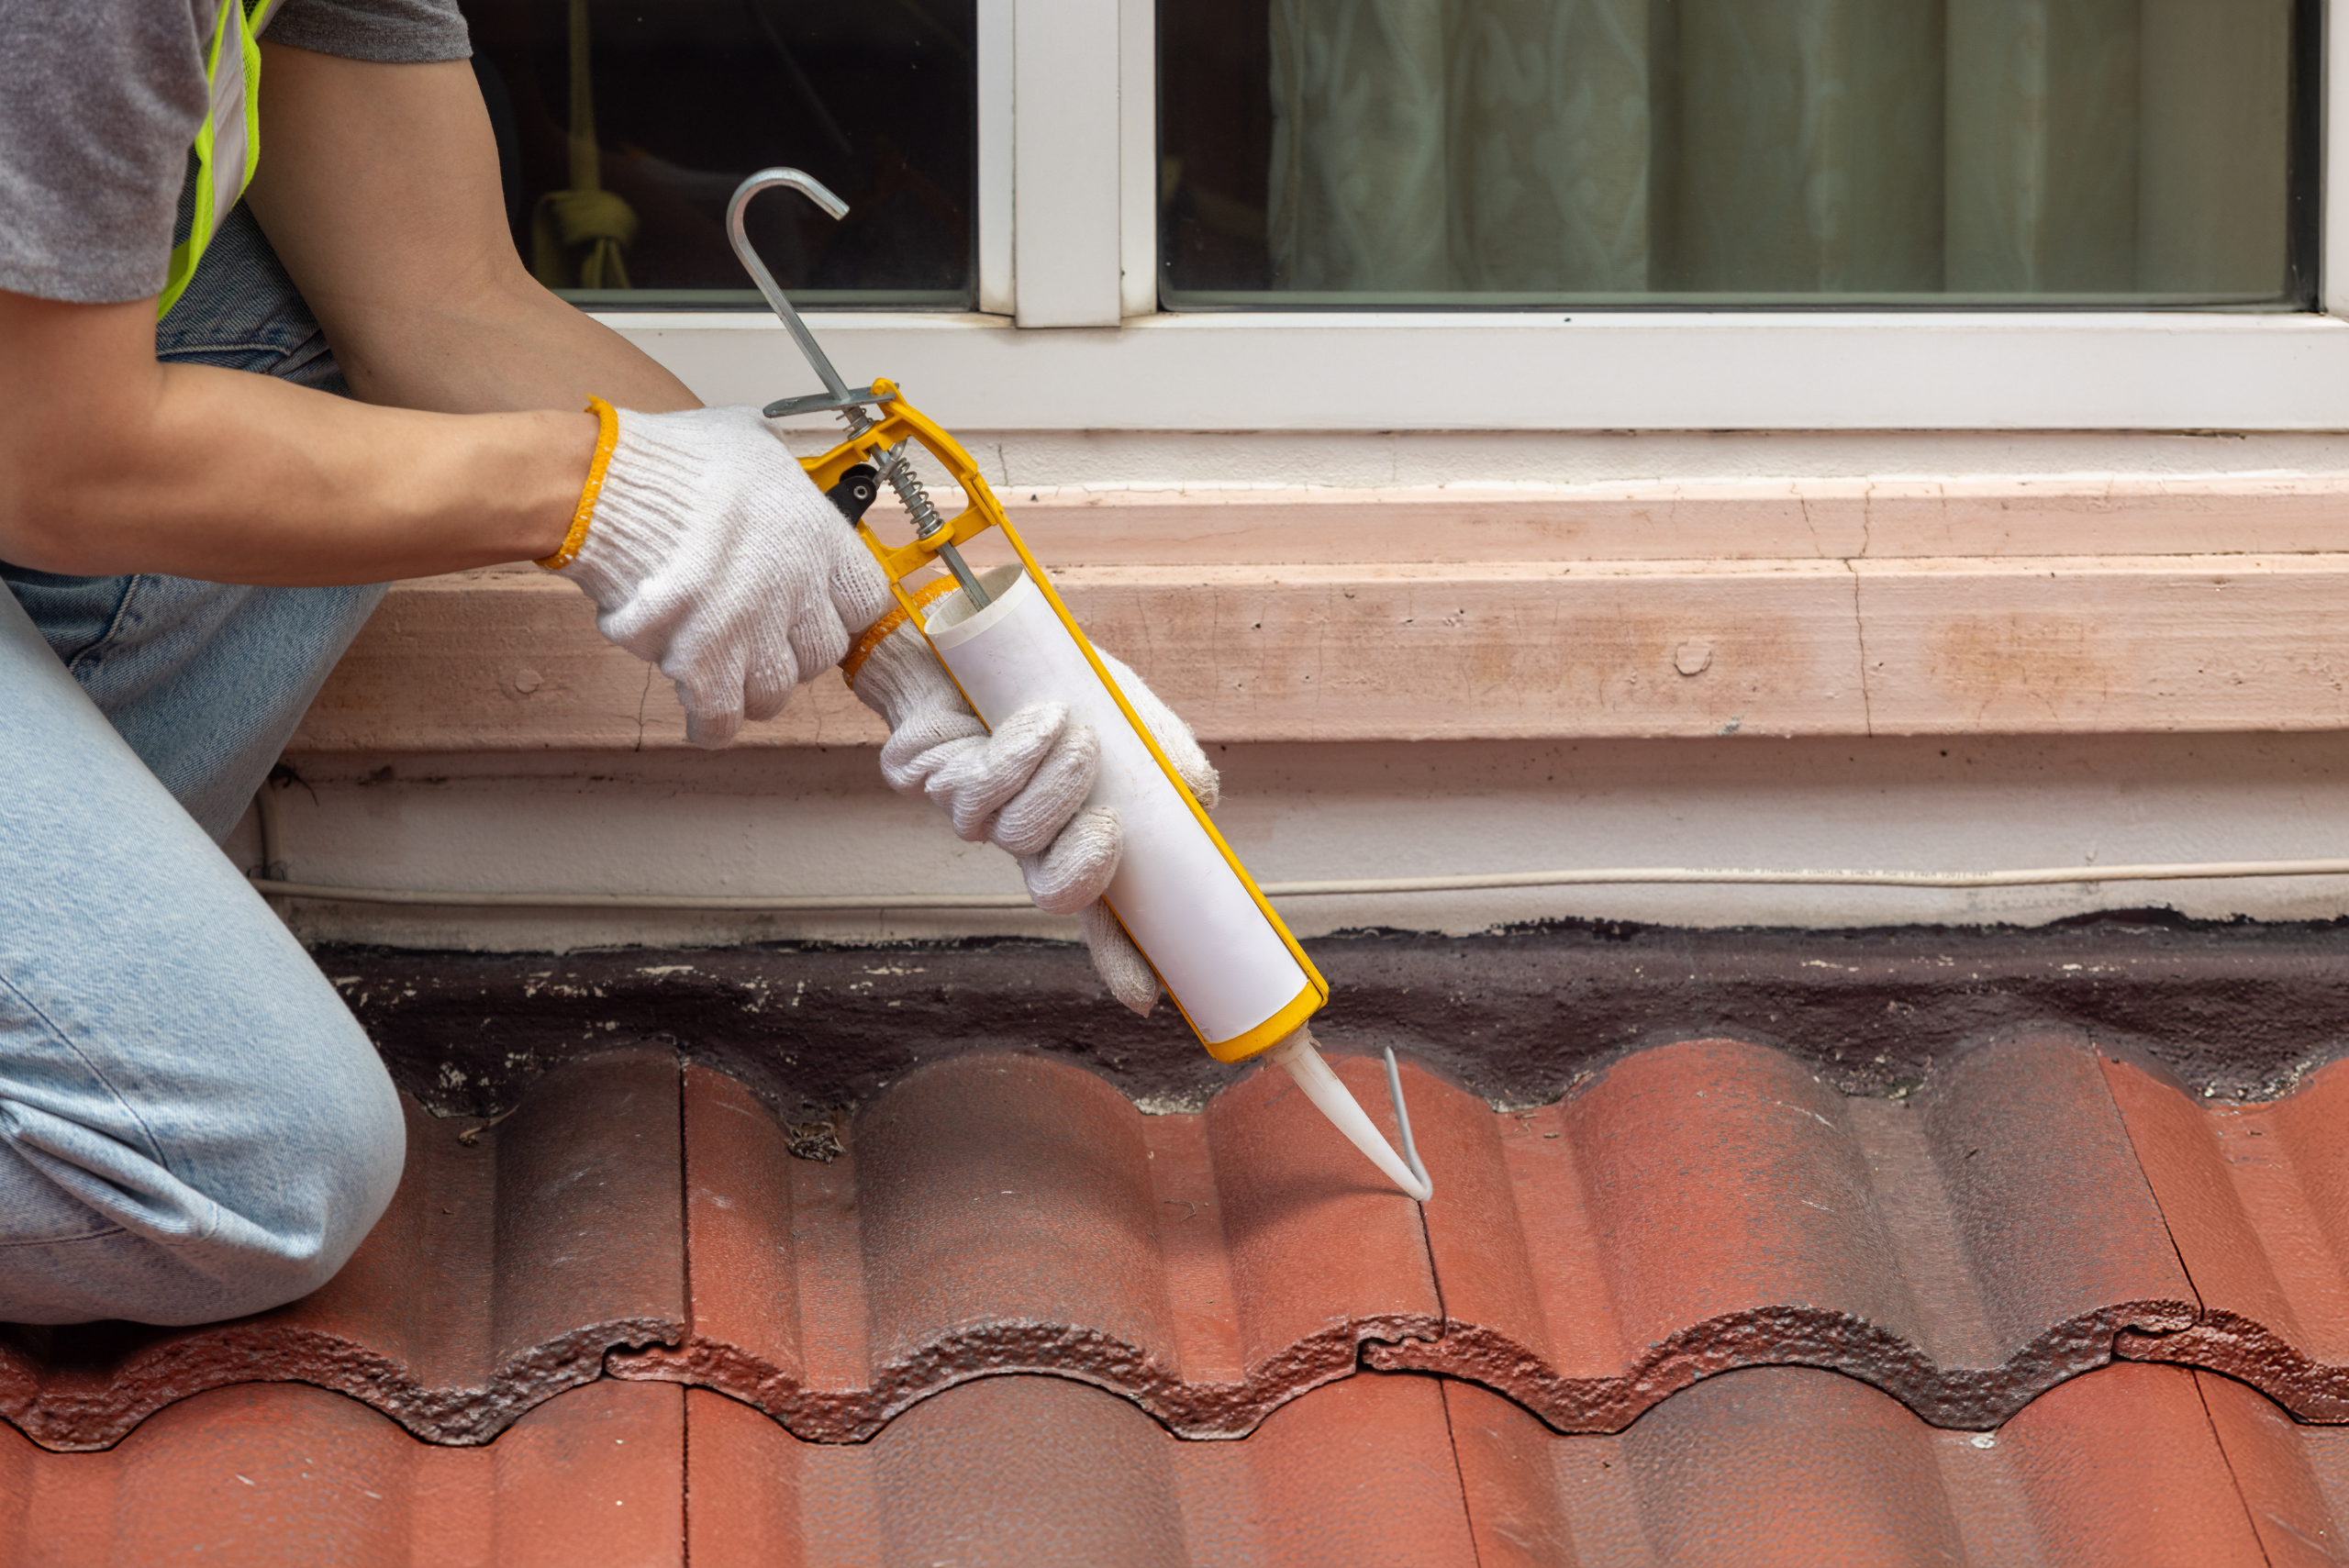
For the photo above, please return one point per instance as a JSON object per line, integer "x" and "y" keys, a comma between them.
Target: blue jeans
{"x": 191, "y": 1124}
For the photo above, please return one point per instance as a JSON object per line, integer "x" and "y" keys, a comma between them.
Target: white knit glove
{"x": 709, "y": 552}
{"x": 1023, "y": 787}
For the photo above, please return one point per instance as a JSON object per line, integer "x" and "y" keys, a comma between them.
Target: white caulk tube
{"x": 1219, "y": 953}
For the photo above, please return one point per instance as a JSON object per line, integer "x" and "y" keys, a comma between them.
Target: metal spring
{"x": 900, "y": 472}
{"x": 907, "y": 485}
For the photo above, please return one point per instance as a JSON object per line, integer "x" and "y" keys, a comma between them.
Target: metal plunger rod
{"x": 897, "y": 467}
{"x": 971, "y": 589}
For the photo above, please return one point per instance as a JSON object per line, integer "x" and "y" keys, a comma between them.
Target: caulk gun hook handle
{"x": 815, "y": 191}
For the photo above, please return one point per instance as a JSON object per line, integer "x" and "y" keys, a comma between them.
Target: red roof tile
{"x": 287, "y": 1474}
{"x": 1698, "y": 1207}
{"x": 1028, "y": 1471}
{"x": 1641, "y": 1301}
{"x": 1006, "y": 1213}
{"x": 2258, "y": 1201}
{"x": 2294, "y": 1478}
{"x": 1712, "y": 1205}
{"x": 2132, "y": 1466}
{"x": 505, "y": 1269}
{"x": 1788, "y": 1465}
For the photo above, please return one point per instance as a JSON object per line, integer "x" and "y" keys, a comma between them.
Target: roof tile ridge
{"x": 1960, "y": 1399}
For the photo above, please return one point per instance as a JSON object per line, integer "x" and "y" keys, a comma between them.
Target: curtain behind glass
{"x": 1780, "y": 148}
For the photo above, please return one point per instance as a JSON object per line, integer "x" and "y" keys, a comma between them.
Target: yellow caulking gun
{"x": 1239, "y": 979}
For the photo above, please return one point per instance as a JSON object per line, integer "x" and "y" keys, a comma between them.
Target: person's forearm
{"x": 502, "y": 344}
{"x": 231, "y": 477}
{"x": 380, "y": 194}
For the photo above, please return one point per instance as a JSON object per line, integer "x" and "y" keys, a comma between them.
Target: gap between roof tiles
{"x": 2110, "y": 1058}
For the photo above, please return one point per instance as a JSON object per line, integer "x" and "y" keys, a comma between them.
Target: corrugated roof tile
{"x": 2294, "y": 1478}
{"x": 2131, "y": 1466}
{"x": 278, "y": 1473}
{"x": 2258, "y": 1201}
{"x": 1698, "y": 1207}
{"x": 511, "y": 1259}
{"x": 1711, "y": 1205}
{"x": 1790, "y": 1465}
{"x": 1026, "y": 1471}
{"x": 1009, "y": 1214}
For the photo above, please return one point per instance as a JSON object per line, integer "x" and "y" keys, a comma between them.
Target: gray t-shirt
{"x": 99, "y": 103}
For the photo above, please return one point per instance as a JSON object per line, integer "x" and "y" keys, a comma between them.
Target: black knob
{"x": 855, "y": 490}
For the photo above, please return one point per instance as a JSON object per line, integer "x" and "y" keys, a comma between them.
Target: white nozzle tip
{"x": 1333, "y": 1099}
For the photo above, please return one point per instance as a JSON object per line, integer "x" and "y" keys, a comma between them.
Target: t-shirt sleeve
{"x": 98, "y": 107}
{"x": 99, "y": 104}
{"x": 391, "y": 32}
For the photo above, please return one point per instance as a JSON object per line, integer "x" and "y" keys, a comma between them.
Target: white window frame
{"x": 1068, "y": 335}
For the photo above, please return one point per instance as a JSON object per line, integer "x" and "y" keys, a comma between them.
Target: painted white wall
{"x": 820, "y": 821}
{"x": 802, "y": 821}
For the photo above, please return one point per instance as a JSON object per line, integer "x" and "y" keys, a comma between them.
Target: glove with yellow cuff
{"x": 709, "y": 552}
{"x": 1023, "y": 787}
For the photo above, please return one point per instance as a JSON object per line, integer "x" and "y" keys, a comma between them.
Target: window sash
{"x": 1073, "y": 339}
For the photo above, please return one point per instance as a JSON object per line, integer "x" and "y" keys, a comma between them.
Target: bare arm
{"x": 380, "y": 191}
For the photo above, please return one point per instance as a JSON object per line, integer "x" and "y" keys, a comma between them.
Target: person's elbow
{"x": 45, "y": 520}
{"x": 30, "y": 536}
{"x": 79, "y": 389}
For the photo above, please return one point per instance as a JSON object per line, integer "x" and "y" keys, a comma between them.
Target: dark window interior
{"x": 1739, "y": 153}
{"x": 873, "y": 98}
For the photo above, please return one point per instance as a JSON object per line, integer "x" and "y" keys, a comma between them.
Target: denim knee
{"x": 298, "y": 1206}
{"x": 198, "y": 1194}
{"x": 191, "y": 1124}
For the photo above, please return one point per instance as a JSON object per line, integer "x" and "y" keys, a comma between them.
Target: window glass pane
{"x": 677, "y": 100}
{"x": 1463, "y": 152}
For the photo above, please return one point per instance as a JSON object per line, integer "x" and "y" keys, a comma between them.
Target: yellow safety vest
{"x": 227, "y": 144}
